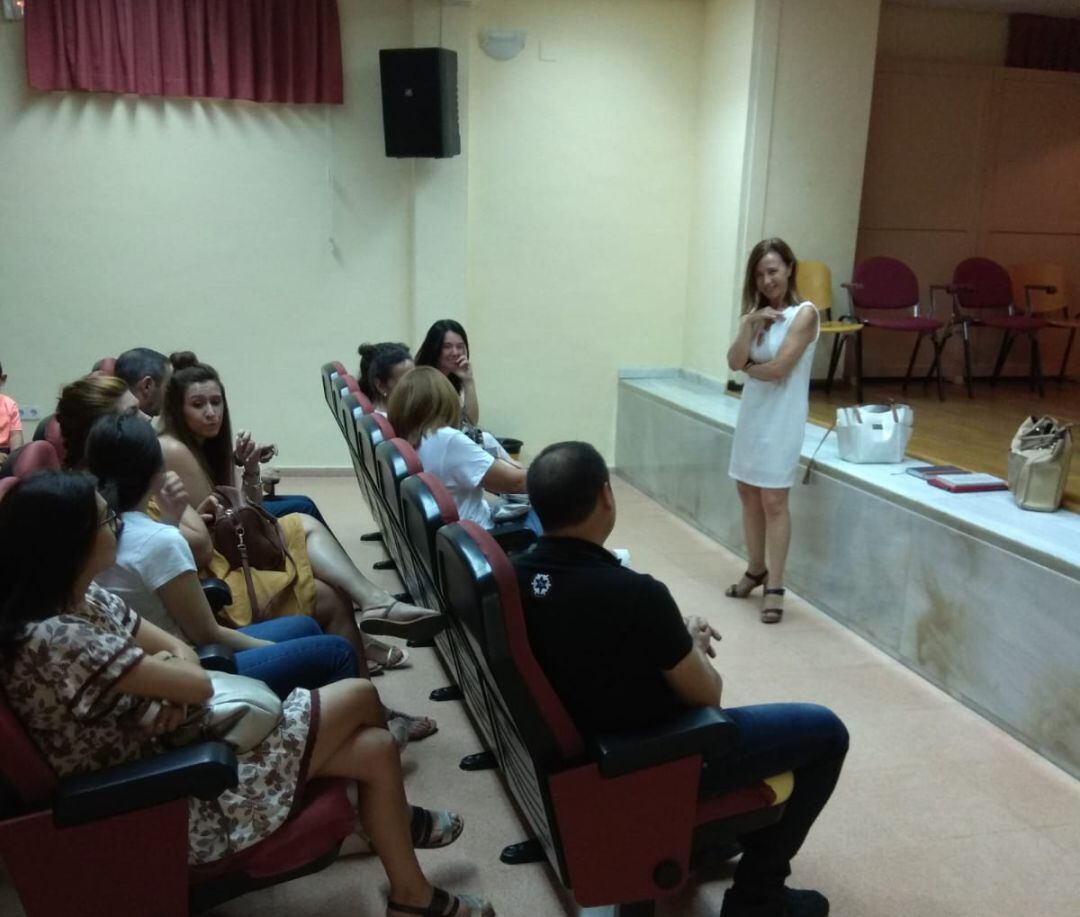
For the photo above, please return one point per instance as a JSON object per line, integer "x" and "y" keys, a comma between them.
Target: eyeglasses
{"x": 114, "y": 522}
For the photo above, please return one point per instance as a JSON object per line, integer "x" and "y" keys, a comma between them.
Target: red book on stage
{"x": 968, "y": 483}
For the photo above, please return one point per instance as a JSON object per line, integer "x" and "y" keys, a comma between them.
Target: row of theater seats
{"x": 115, "y": 841}
{"x": 618, "y": 819}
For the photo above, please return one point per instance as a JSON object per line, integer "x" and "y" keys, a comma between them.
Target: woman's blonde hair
{"x": 752, "y": 299}
{"x": 81, "y": 403}
{"x": 421, "y": 403}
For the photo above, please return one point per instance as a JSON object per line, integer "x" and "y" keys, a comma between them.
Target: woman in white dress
{"x": 774, "y": 348}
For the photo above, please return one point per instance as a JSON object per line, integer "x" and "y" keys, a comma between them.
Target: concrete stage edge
{"x": 974, "y": 594}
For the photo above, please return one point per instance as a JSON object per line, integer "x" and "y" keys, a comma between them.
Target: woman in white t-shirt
{"x": 155, "y": 575}
{"x": 424, "y": 410}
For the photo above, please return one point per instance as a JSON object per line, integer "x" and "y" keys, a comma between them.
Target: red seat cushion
{"x": 904, "y": 324}
{"x": 325, "y": 818}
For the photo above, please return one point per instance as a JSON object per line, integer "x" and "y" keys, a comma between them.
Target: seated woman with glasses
{"x": 95, "y": 685}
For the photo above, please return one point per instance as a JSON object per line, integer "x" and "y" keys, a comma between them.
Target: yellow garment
{"x": 298, "y": 599}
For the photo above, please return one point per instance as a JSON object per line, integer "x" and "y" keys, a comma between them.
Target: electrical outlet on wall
{"x": 29, "y": 412}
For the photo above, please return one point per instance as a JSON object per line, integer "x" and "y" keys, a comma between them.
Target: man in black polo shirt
{"x": 620, "y": 656}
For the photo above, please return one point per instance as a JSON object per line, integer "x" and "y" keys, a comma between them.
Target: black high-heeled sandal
{"x": 738, "y": 591}
{"x": 441, "y": 900}
{"x": 773, "y": 614}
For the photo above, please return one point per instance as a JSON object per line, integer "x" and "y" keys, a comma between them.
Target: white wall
{"x": 581, "y": 179}
{"x": 266, "y": 238}
{"x": 715, "y": 265}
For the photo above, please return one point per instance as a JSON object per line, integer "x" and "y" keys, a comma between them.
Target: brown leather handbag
{"x": 247, "y": 536}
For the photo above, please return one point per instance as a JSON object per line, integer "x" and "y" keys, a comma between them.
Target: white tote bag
{"x": 874, "y": 433}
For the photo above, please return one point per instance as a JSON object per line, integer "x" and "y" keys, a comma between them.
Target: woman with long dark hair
{"x": 95, "y": 685}
{"x": 198, "y": 445}
{"x": 774, "y": 347}
{"x": 446, "y": 347}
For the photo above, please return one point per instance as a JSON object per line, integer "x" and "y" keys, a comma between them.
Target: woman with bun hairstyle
{"x": 381, "y": 368}
{"x": 198, "y": 445}
{"x": 774, "y": 347}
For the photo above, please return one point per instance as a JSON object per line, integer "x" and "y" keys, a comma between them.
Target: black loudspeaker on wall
{"x": 420, "y": 102}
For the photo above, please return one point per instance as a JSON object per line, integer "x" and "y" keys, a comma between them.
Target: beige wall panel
{"x": 1035, "y": 182}
{"x": 923, "y": 149}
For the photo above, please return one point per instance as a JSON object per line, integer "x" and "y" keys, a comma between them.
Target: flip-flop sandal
{"x": 425, "y": 625}
{"x": 433, "y": 828}
{"x": 418, "y": 727}
{"x": 443, "y": 904}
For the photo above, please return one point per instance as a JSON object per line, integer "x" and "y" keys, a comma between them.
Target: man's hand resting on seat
{"x": 703, "y": 634}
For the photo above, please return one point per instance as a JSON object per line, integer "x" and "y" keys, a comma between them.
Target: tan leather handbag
{"x": 1039, "y": 462}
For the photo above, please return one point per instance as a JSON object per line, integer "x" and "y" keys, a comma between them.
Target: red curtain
{"x": 260, "y": 50}
{"x": 1043, "y": 42}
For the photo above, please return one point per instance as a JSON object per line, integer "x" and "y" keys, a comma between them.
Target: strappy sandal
{"x": 431, "y": 828}
{"x": 773, "y": 614}
{"x": 416, "y": 727}
{"x": 443, "y": 904}
{"x": 739, "y": 591}
{"x": 394, "y": 657}
{"x": 417, "y": 624}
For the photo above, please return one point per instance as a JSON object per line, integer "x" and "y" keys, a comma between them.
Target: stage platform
{"x": 973, "y": 433}
{"x": 976, "y": 595}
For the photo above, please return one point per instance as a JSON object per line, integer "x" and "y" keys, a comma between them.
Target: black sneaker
{"x": 791, "y": 902}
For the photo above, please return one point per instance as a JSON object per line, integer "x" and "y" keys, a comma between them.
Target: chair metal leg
{"x": 858, "y": 368}
{"x": 834, "y": 359}
{"x": 966, "y": 332}
{"x": 1065, "y": 358}
{"x": 939, "y": 349}
{"x": 1003, "y": 355}
{"x": 911, "y": 362}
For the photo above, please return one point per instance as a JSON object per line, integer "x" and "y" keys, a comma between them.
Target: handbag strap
{"x": 259, "y": 613}
{"x": 810, "y": 464}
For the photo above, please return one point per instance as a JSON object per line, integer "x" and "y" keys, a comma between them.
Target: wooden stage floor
{"x": 973, "y": 433}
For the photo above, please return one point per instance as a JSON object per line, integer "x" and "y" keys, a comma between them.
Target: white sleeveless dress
{"x": 772, "y": 415}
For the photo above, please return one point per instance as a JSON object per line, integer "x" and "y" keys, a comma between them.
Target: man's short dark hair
{"x": 564, "y": 483}
{"x": 132, "y": 365}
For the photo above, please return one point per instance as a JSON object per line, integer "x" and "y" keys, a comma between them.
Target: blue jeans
{"x": 302, "y": 655}
{"x": 282, "y": 504}
{"x": 807, "y": 739}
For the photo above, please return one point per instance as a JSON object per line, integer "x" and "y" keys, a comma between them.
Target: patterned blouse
{"x": 61, "y": 680}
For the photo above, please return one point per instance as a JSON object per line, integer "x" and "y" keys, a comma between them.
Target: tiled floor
{"x": 938, "y": 813}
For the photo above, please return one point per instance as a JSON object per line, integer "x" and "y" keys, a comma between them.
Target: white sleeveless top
{"x": 772, "y": 415}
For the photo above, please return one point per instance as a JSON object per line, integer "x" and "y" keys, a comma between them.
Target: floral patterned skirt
{"x": 271, "y": 777}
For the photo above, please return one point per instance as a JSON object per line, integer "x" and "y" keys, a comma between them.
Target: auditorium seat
{"x": 886, "y": 285}
{"x": 331, "y": 373}
{"x": 115, "y": 841}
{"x": 618, "y": 820}
{"x": 813, "y": 279}
{"x": 1041, "y": 286}
{"x": 395, "y": 461}
{"x": 982, "y": 297}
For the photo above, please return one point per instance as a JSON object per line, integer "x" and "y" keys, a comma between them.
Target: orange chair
{"x": 813, "y": 279}
{"x": 1041, "y": 287}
